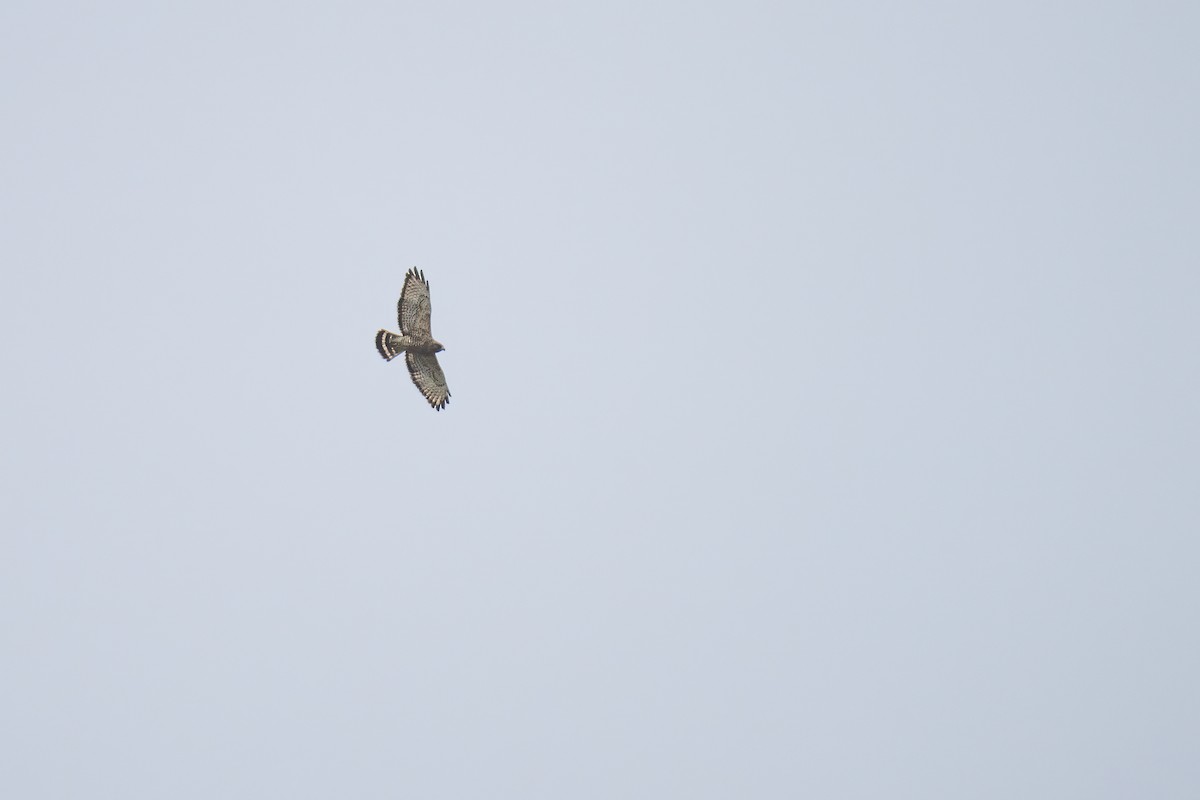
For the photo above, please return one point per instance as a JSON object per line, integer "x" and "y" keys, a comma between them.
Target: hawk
{"x": 415, "y": 340}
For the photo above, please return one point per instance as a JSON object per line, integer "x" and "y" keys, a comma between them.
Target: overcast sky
{"x": 824, "y": 416}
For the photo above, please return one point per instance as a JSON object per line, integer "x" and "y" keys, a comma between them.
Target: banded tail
{"x": 388, "y": 344}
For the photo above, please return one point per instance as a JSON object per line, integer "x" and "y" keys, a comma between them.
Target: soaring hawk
{"x": 415, "y": 340}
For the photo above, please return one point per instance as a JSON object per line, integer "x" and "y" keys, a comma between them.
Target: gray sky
{"x": 824, "y": 419}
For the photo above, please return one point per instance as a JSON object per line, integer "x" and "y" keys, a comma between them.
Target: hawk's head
{"x": 437, "y": 346}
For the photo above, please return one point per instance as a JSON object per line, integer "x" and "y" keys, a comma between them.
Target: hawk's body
{"x": 415, "y": 341}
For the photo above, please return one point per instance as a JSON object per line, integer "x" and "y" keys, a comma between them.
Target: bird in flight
{"x": 415, "y": 341}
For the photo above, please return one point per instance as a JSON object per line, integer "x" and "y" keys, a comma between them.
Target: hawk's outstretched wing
{"x": 413, "y": 308}
{"x": 428, "y": 377}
